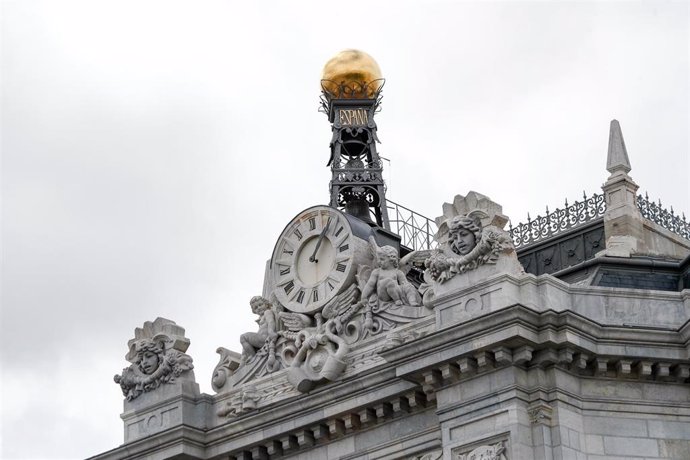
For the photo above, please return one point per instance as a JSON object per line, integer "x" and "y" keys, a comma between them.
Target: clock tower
{"x": 351, "y": 96}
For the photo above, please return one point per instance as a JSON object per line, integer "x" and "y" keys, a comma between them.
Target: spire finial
{"x": 617, "y": 159}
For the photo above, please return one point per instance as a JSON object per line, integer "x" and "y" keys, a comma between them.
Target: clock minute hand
{"x": 318, "y": 243}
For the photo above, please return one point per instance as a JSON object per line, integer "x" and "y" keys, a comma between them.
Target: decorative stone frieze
{"x": 495, "y": 451}
{"x": 341, "y": 425}
{"x": 436, "y": 454}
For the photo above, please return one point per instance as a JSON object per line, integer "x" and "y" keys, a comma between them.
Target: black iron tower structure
{"x": 356, "y": 185}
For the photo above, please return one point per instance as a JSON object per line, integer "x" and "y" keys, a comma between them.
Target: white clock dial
{"x": 313, "y": 259}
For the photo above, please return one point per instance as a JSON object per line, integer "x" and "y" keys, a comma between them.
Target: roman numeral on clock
{"x": 287, "y": 251}
{"x": 300, "y": 296}
{"x": 340, "y": 268}
{"x": 339, "y": 231}
{"x": 285, "y": 271}
{"x": 312, "y": 223}
{"x": 289, "y": 287}
{"x": 344, "y": 247}
{"x": 298, "y": 234}
{"x": 315, "y": 296}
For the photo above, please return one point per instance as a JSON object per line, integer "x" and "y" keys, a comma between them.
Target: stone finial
{"x": 617, "y": 158}
{"x": 622, "y": 220}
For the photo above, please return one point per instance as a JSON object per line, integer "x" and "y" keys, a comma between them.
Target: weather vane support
{"x": 351, "y": 96}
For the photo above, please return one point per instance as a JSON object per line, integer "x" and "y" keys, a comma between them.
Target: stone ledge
{"x": 335, "y": 406}
{"x": 179, "y": 442}
{"x": 521, "y": 336}
{"x": 334, "y": 427}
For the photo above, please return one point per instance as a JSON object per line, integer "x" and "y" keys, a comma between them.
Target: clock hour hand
{"x": 318, "y": 243}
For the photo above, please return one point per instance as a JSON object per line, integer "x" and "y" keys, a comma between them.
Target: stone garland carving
{"x": 157, "y": 356}
{"x": 495, "y": 451}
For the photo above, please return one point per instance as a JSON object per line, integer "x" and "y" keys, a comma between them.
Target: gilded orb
{"x": 351, "y": 74}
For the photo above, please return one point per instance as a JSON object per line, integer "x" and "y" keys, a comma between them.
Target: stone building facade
{"x": 564, "y": 338}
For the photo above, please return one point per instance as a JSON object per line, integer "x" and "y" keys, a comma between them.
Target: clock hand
{"x": 318, "y": 243}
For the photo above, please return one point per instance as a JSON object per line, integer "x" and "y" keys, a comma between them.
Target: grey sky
{"x": 152, "y": 152}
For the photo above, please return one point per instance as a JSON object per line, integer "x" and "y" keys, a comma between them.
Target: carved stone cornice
{"x": 341, "y": 407}
{"x": 520, "y": 336}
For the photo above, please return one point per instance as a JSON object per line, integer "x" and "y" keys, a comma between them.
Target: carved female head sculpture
{"x": 464, "y": 232}
{"x": 149, "y": 355}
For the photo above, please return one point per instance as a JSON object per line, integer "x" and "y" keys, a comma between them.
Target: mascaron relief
{"x": 470, "y": 235}
{"x": 469, "y": 245}
{"x": 157, "y": 356}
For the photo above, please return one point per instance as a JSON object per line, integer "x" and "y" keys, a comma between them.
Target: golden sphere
{"x": 352, "y": 70}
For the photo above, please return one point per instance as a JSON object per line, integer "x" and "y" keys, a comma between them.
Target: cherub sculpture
{"x": 387, "y": 283}
{"x": 253, "y": 341}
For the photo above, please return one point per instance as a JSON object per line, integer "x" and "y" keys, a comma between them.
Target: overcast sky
{"x": 152, "y": 152}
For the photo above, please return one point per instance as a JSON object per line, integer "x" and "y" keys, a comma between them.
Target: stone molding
{"x": 512, "y": 350}
{"x": 520, "y": 336}
{"x": 412, "y": 374}
{"x": 336, "y": 426}
{"x": 605, "y": 305}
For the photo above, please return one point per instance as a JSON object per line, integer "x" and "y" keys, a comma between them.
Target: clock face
{"x": 313, "y": 259}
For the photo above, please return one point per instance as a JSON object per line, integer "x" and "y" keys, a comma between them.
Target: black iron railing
{"x": 667, "y": 219}
{"x": 558, "y": 221}
{"x": 416, "y": 231}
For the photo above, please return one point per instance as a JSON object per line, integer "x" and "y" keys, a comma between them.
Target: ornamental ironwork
{"x": 357, "y": 184}
{"x": 667, "y": 219}
{"x": 558, "y": 221}
{"x": 350, "y": 90}
{"x": 416, "y": 231}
